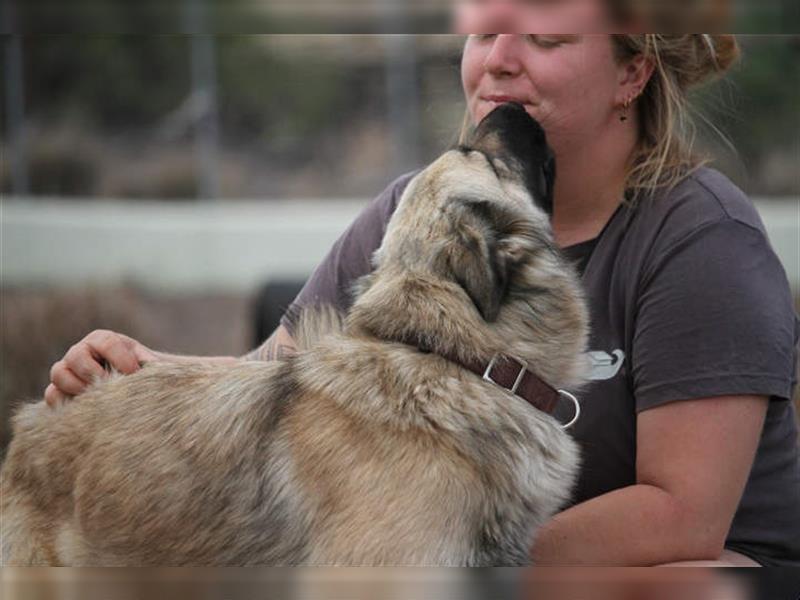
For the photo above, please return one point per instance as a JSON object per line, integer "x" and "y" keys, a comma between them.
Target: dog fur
{"x": 367, "y": 447}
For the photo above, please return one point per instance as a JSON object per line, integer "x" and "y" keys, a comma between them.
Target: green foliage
{"x": 278, "y": 105}
{"x": 266, "y": 94}
{"x": 109, "y": 81}
{"x": 756, "y": 105}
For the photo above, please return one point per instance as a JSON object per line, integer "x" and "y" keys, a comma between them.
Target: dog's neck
{"x": 435, "y": 315}
{"x": 422, "y": 311}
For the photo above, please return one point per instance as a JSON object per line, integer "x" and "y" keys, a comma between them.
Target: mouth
{"x": 502, "y": 98}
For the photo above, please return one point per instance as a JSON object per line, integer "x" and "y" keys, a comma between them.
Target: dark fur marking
{"x": 283, "y": 388}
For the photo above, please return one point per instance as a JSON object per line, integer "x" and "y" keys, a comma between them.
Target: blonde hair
{"x": 664, "y": 154}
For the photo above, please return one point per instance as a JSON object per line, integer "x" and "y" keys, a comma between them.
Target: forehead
{"x": 472, "y": 175}
{"x": 464, "y": 173}
{"x": 531, "y": 16}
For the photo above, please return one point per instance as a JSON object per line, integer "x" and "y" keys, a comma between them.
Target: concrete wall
{"x": 223, "y": 246}
{"x": 171, "y": 247}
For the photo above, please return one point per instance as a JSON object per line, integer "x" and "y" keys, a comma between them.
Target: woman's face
{"x": 570, "y": 83}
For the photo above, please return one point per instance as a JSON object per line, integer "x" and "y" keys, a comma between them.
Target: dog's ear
{"x": 478, "y": 256}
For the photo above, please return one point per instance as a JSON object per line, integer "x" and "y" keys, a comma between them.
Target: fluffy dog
{"x": 375, "y": 444}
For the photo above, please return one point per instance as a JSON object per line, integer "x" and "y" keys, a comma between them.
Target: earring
{"x": 625, "y": 106}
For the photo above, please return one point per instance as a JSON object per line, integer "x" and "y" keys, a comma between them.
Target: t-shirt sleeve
{"x": 715, "y": 317}
{"x": 349, "y": 258}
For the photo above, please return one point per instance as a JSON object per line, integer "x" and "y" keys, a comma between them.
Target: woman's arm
{"x": 88, "y": 360}
{"x": 693, "y": 460}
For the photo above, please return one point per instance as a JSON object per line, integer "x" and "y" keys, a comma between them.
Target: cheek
{"x": 575, "y": 94}
{"x": 471, "y": 72}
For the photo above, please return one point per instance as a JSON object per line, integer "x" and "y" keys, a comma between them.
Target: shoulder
{"x": 705, "y": 200}
{"x": 351, "y": 254}
{"x": 370, "y": 225}
{"x": 394, "y": 191}
{"x": 717, "y": 196}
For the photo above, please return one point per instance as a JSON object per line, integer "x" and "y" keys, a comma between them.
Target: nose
{"x": 503, "y": 60}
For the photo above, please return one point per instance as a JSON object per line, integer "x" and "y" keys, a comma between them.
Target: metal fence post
{"x": 15, "y": 101}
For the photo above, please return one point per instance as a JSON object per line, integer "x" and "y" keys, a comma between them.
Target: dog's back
{"x": 142, "y": 469}
{"x": 352, "y": 453}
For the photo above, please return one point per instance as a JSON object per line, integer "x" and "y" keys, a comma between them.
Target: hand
{"x": 87, "y": 361}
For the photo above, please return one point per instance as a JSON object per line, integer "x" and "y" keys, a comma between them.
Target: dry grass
{"x": 39, "y": 326}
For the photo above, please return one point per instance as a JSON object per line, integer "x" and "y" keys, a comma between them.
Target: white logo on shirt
{"x": 605, "y": 366}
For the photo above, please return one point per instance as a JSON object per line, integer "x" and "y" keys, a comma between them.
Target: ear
{"x": 476, "y": 257}
{"x": 634, "y": 74}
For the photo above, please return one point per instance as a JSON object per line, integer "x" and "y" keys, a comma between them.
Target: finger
{"x": 117, "y": 351}
{"x": 144, "y": 356}
{"x": 53, "y": 397}
{"x": 143, "y": 353}
{"x": 65, "y": 380}
{"x": 83, "y": 364}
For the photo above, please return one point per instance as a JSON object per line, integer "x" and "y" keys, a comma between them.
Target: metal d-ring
{"x": 574, "y": 400}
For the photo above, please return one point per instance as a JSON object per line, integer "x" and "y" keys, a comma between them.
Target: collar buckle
{"x": 523, "y": 367}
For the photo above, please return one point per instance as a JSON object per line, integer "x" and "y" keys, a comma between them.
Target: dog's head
{"x": 468, "y": 265}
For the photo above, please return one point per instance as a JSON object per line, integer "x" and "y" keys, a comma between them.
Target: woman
{"x": 688, "y": 433}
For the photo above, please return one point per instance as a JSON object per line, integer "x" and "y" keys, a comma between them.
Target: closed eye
{"x": 547, "y": 42}
{"x": 498, "y": 172}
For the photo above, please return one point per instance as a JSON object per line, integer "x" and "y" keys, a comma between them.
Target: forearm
{"x": 180, "y": 358}
{"x": 278, "y": 345}
{"x": 635, "y": 526}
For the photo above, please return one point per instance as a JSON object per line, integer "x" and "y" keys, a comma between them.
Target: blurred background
{"x": 180, "y": 188}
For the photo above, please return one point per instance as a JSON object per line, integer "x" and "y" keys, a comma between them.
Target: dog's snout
{"x": 510, "y": 130}
{"x": 511, "y": 134}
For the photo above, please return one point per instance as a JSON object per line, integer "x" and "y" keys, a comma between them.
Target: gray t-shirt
{"x": 687, "y": 300}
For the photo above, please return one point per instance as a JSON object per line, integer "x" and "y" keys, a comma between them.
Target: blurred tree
{"x": 108, "y": 81}
{"x": 756, "y": 108}
{"x": 279, "y": 106}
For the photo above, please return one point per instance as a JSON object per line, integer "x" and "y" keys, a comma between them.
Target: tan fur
{"x": 360, "y": 450}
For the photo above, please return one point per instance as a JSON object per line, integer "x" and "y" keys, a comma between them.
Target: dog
{"x": 378, "y": 443}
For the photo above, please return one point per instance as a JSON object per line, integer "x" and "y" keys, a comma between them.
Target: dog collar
{"x": 514, "y": 376}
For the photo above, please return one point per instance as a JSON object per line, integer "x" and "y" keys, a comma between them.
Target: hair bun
{"x": 713, "y": 56}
